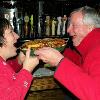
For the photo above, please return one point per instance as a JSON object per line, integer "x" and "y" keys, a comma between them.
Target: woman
{"x": 13, "y": 86}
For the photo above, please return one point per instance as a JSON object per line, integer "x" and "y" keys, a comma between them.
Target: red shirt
{"x": 13, "y": 86}
{"x": 83, "y": 79}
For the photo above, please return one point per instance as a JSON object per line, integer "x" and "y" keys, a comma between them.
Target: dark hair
{"x": 4, "y": 24}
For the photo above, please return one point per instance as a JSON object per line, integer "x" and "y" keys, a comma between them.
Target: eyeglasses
{"x": 75, "y": 25}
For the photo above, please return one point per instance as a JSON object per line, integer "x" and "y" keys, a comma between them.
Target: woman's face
{"x": 77, "y": 29}
{"x": 10, "y": 38}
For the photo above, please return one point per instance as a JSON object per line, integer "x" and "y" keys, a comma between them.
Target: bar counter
{"x": 45, "y": 88}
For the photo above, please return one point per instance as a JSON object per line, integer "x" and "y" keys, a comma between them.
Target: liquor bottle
{"x": 14, "y": 22}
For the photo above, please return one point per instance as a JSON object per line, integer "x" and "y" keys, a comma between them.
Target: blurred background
{"x": 33, "y": 19}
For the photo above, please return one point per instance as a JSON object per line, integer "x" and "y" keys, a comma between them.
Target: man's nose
{"x": 68, "y": 29}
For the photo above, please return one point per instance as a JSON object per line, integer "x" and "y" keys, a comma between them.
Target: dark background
{"x": 42, "y": 8}
{"x": 51, "y": 7}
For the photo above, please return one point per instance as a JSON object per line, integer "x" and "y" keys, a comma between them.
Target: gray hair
{"x": 90, "y": 16}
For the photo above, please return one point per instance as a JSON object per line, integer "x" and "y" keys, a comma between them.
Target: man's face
{"x": 10, "y": 38}
{"x": 77, "y": 29}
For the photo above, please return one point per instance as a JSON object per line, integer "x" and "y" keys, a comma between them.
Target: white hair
{"x": 90, "y": 16}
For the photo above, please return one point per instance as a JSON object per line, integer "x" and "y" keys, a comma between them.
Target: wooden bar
{"x": 45, "y": 88}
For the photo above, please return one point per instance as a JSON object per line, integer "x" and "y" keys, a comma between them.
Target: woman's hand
{"x": 30, "y": 62}
{"x": 21, "y": 58}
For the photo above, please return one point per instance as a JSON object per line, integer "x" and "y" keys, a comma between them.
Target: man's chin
{"x": 76, "y": 44}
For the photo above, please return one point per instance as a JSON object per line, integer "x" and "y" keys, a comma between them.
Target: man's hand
{"x": 49, "y": 55}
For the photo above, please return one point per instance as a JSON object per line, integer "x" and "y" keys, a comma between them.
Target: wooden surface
{"x": 51, "y": 94}
{"x": 45, "y": 88}
{"x": 43, "y": 83}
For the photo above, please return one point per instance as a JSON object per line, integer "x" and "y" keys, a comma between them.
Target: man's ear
{"x": 91, "y": 27}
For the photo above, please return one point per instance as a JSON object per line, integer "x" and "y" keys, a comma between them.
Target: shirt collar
{"x": 89, "y": 42}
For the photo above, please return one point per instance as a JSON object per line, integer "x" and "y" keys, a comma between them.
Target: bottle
{"x": 14, "y": 22}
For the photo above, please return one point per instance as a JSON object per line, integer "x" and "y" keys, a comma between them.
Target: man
{"x": 13, "y": 86}
{"x": 79, "y": 73}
